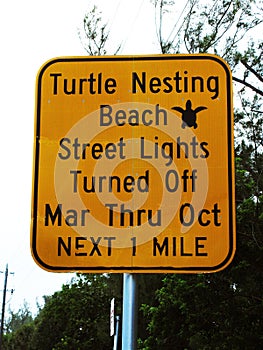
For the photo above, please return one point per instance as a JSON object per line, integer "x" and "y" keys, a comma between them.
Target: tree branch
{"x": 252, "y": 70}
{"x": 248, "y": 85}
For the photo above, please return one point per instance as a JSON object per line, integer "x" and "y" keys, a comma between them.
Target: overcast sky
{"x": 32, "y": 32}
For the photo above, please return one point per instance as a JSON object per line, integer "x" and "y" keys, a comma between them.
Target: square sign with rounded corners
{"x": 134, "y": 165}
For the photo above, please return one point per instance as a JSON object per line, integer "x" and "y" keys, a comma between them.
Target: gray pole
{"x": 129, "y": 312}
{"x": 3, "y": 309}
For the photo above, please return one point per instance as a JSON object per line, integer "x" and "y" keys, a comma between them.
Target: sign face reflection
{"x": 134, "y": 165}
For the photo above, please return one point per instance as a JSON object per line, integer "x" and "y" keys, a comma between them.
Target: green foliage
{"x": 77, "y": 317}
{"x": 204, "y": 312}
{"x": 19, "y": 330}
{"x": 20, "y": 339}
{"x": 16, "y": 320}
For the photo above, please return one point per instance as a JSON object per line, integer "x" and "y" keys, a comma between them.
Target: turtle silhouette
{"x": 189, "y": 114}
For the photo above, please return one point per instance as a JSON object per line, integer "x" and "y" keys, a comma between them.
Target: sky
{"x": 33, "y": 32}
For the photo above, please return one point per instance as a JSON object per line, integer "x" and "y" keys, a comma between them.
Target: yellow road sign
{"x": 134, "y": 164}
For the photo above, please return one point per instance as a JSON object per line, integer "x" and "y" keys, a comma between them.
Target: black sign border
{"x": 231, "y": 176}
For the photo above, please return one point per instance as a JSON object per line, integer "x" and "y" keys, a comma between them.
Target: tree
{"x": 219, "y": 27}
{"x": 94, "y": 34}
{"x": 19, "y": 329}
{"x": 223, "y": 310}
{"x": 77, "y": 317}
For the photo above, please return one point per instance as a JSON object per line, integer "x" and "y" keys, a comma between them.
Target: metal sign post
{"x": 129, "y": 312}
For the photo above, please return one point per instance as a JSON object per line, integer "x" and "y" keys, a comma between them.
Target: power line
{"x": 132, "y": 25}
{"x": 177, "y": 22}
